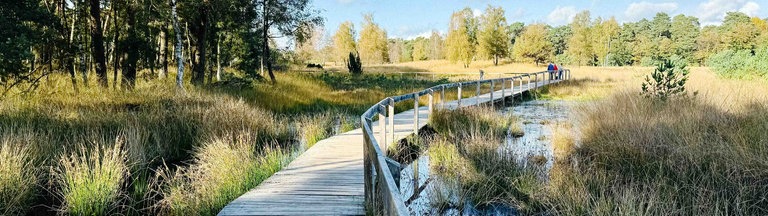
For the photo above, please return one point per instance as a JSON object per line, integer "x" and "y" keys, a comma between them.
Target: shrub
{"x": 90, "y": 180}
{"x": 18, "y": 177}
{"x": 742, "y": 64}
{"x": 354, "y": 64}
{"x": 666, "y": 81}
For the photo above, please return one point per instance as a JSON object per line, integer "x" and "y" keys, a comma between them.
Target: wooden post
{"x": 492, "y": 89}
{"x": 391, "y": 112}
{"x": 416, "y": 115}
{"x": 536, "y": 81}
{"x": 458, "y": 101}
{"x": 383, "y": 129}
{"x": 442, "y": 98}
{"x": 431, "y": 102}
{"x": 503, "y": 91}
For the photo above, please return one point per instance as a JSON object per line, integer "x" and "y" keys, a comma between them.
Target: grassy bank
{"x": 154, "y": 150}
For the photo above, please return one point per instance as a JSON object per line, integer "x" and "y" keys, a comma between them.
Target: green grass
{"x": 91, "y": 179}
{"x": 18, "y": 177}
{"x": 223, "y": 169}
{"x": 166, "y": 133}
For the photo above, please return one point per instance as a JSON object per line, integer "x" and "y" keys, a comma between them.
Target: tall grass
{"x": 91, "y": 179}
{"x": 639, "y": 156}
{"x": 18, "y": 178}
{"x": 223, "y": 169}
{"x": 469, "y": 158}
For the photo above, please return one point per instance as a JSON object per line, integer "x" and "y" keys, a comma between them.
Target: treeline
{"x": 585, "y": 41}
{"x": 141, "y": 38}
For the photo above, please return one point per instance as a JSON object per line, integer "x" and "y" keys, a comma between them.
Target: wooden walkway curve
{"x": 328, "y": 178}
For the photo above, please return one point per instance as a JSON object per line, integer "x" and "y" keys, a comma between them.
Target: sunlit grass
{"x": 91, "y": 179}
{"x": 18, "y": 177}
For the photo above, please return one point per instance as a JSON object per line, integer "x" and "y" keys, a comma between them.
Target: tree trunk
{"x": 131, "y": 50}
{"x": 266, "y": 54}
{"x": 200, "y": 31}
{"x": 218, "y": 59}
{"x": 178, "y": 47}
{"x": 116, "y": 50}
{"x": 163, "y": 52}
{"x": 97, "y": 43}
{"x": 495, "y": 60}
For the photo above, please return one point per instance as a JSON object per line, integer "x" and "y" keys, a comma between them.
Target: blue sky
{"x": 411, "y": 18}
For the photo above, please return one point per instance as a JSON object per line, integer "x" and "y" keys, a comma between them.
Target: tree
{"x": 284, "y": 18}
{"x": 666, "y": 81}
{"x": 179, "y": 46}
{"x": 708, "y": 43}
{"x": 661, "y": 25}
{"x": 23, "y": 25}
{"x": 605, "y": 34}
{"x": 558, "y": 36}
{"x": 493, "y": 37}
{"x": 533, "y": 44}
{"x": 354, "y": 64}
{"x": 97, "y": 42}
{"x": 420, "y": 49}
{"x": 685, "y": 30}
{"x": 344, "y": 41}
{"x": 373, "y": 41}
{"x": 435, "y": 46}
{"x": 460, "y": 43}
{"x": 580, "y": 44}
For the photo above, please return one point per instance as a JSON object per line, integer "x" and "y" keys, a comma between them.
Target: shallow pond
{"x": 538, "y": 117}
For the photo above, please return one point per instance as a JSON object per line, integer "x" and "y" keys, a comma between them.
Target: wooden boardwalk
{"x": 327, "y": 179}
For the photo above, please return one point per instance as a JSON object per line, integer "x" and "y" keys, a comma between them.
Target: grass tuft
{"x": 91, "y": 179}
{"x": 18, "y": 178}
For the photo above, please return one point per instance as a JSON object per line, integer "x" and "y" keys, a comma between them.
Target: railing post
{"x": 391, "y": 112}
{"x": 383, "y": 129}
{"x": 529, "y": 81}
{"x": 416, "y": 115}
{"x": 367, "y": 166}
{"x": 503, "y": 91}
{"x": 477, "y": 94}
{"x": 458, "y": 101}
{"x": 492, "y": 89}
{"x": 442, "y": 97}
{"x": 431, "y": 101}
{"x": 536, "y": 81}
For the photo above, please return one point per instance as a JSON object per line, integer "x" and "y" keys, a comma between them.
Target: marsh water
{"x": 538, "y": 119}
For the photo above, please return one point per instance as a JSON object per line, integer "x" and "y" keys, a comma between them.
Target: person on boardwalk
{"x": 551, "y": 69}
{"x": 555, "y": 72}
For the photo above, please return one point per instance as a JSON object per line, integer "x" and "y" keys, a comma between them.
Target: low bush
{"x": 742, "y": 64}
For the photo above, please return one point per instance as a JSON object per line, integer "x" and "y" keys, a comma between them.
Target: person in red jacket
{"x": 556, "y": 71}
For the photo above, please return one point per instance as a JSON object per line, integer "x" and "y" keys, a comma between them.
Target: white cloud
{"x": 561, "y": 15}
{"x": 477, "y": 12}
{"x": 750, "y": 8}
{"x": 713, "y": 12}
{"x": 639, "y": 10}
{"x": 345, "y": 1}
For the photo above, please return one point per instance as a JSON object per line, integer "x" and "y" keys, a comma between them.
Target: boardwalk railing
{"x": 381, "y": 172}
